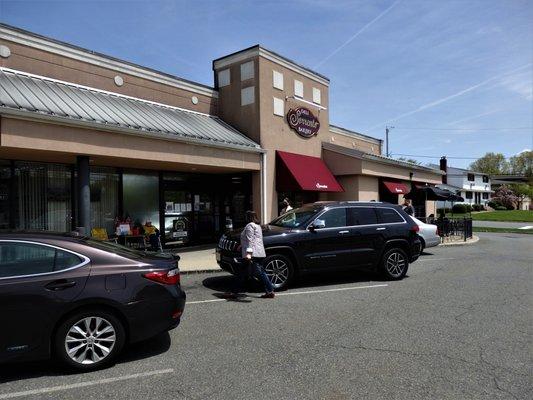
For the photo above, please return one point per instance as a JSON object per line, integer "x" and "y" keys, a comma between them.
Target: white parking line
{"x": 83, "y": 384}
{"x": 298, "y": 293}
{"x": 434, "y": 259}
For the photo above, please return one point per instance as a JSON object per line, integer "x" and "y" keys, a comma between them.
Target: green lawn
{"x": 508, "y": 216}
{"x": 502, "y": 230}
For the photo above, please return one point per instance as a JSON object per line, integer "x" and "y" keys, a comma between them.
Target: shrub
{"x": 494, "y": 204}
{"x": 501, "y": 208}
{"x": 459, "y": 208}
{"x": 478, "y": 207}
{"x": 468, "y": 208}
{"x": 446, "y": 210}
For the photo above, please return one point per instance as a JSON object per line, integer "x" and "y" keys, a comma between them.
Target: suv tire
{"x": 279, "y": 270}
{"x": 98, "y": 335}
{"x": 394, "y": 264}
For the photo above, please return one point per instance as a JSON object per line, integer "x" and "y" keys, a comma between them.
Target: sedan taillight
{"x": 415, "y": 228}
{"x": 171, "y": 277}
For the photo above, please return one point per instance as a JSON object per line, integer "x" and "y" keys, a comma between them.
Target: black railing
{"x": 453, "y": 227}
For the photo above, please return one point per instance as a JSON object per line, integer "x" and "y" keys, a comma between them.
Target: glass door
{"x": 178, "y": 217}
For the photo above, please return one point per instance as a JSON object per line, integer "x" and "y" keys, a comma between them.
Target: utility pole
{"x": 387, "y": 128}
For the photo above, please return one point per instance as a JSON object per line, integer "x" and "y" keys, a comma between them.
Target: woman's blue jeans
{"x": 254, "y": 268}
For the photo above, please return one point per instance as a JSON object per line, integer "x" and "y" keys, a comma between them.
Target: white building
{"x": 473, "y": 186}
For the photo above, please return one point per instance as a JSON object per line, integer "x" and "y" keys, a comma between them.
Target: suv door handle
{"x": 380, "y": 229}
{"x": 60, "y": 284}
{"x": 343, "y": 232}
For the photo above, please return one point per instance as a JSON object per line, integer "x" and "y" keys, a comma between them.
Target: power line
{"x": 468, "y": 129}
{"x": 455, "y": 158}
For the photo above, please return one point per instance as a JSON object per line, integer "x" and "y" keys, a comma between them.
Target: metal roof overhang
{"x": 31, "y": 97}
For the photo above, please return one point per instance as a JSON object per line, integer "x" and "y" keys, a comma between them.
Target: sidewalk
{"x": 198, "y": 259}
{"x": 502, "y": 224}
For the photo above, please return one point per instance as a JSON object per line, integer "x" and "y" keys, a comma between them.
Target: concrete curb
{"x": 201, "y": 271}
{"x": 474, "y": 240}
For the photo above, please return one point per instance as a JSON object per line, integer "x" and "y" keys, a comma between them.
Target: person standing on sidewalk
{"x": 408, "y": 208}
{"x": 253, "y": 254}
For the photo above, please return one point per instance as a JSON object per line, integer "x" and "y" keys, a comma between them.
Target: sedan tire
{"x": 89, "y": 339}
{"x": 394, "y": 264}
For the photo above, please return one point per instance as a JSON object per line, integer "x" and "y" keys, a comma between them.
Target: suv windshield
{"x": 296, "y": 218}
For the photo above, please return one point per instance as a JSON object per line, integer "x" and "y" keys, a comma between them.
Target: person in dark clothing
{"x": 408, "y": 208}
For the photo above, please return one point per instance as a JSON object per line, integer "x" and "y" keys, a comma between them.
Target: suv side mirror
{"x": 317, "y": 224}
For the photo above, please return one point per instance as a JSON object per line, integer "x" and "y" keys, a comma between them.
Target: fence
{"x": 454, "y": 228}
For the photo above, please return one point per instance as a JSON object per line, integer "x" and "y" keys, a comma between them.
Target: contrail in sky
{"x": 445, "y": 99}
{"x": 355, "y": 35}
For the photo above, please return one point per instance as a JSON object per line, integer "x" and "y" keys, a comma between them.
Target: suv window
{"x": 334, "y": 218}
{"x": 295, "y": 218}
{"x": 361, "y": 216}
{"x": 388, "y": 216}
{"x": 18, "y": 259}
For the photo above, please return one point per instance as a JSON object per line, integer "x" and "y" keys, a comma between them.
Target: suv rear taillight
{"x": 415, "y": 228}
{"x": 171, "y": 277}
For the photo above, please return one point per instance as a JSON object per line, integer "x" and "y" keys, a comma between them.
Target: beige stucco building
{"x": 87, "y": 140}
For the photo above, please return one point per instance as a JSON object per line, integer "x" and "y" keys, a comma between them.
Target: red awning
{"x": 396, "y": 188}
{"x": 296, "y": 172}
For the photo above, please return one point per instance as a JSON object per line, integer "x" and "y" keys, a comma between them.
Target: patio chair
{"x": 101, "y": 234}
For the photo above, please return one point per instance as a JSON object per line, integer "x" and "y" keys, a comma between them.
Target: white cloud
{"x": 523, "y": 151}
{"x": 520, "y": 84}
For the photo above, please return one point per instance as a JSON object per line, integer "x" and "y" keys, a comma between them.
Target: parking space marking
{"x": 434, "y": 259}
{"x": 299, "y": 293}
{"x": 83, "y": 384}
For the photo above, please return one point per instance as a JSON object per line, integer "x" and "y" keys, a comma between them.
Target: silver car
{"x": 429, "y": 234}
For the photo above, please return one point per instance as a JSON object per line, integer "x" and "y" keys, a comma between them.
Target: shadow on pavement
{"x": 29, "y": 370}
{"x": 223, "y": 283}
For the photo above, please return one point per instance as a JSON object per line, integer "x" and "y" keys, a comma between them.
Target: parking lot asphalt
{"x": 457, "y": 327}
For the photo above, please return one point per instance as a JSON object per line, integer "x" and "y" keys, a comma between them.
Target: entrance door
{"x": 477, "y": 197}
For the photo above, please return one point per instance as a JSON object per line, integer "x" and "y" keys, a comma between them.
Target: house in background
{"x": 474, "y": 187}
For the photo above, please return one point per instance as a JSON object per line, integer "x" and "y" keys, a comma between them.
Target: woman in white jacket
{"x": 253, "y": 253}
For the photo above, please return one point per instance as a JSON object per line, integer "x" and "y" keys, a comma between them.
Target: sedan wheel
{"x": 89, "y": 339}
{"x": 278, "y": 269}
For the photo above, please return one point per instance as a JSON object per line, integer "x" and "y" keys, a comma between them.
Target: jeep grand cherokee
{"x": 331, "y": 235}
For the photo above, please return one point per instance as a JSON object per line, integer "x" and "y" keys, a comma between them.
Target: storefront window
{"x": 141, "y": 197}
{"x": 42, "y": 196}
{"x": 5, "y": 178}
{"x": 104, "y": 198}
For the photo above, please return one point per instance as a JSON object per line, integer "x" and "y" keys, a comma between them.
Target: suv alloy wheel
{"x": 279, "y": 270}
{"x": 89, "y": 339}
{"x": 394, "y": 264}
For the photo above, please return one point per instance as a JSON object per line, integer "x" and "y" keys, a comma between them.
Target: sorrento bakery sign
{"x": 303, "y": 122}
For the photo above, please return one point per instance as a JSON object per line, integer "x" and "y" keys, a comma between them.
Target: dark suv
{"x": 332, "y": 235}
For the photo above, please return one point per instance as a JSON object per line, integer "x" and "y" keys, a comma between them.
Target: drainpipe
{"x": 263, "y": 187}
{"x": 83, "y": 195}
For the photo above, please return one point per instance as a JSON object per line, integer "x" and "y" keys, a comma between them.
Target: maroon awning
{"x": 396, "y": 188}
{"x": 296, "y": 172}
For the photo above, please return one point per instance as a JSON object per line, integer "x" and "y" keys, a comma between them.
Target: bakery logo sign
{"x": 303, "y": 122}
{"x": 320, "y": 186}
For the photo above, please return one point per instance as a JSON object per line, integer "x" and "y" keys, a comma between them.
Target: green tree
{"x": 409, "y": 160}
{"x": 522, "y": 164}
{"x": 491, "y": 163}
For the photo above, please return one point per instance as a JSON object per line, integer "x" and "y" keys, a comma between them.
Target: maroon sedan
{"x": 82, "y": 300}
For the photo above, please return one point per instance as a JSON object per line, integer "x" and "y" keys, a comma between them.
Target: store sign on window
{"x": 303, "y": 122}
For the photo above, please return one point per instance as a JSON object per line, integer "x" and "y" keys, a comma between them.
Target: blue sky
{"x": 462, "y": 68}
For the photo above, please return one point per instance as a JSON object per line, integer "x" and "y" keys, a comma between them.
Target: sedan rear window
{"x": 21, "y": 258}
